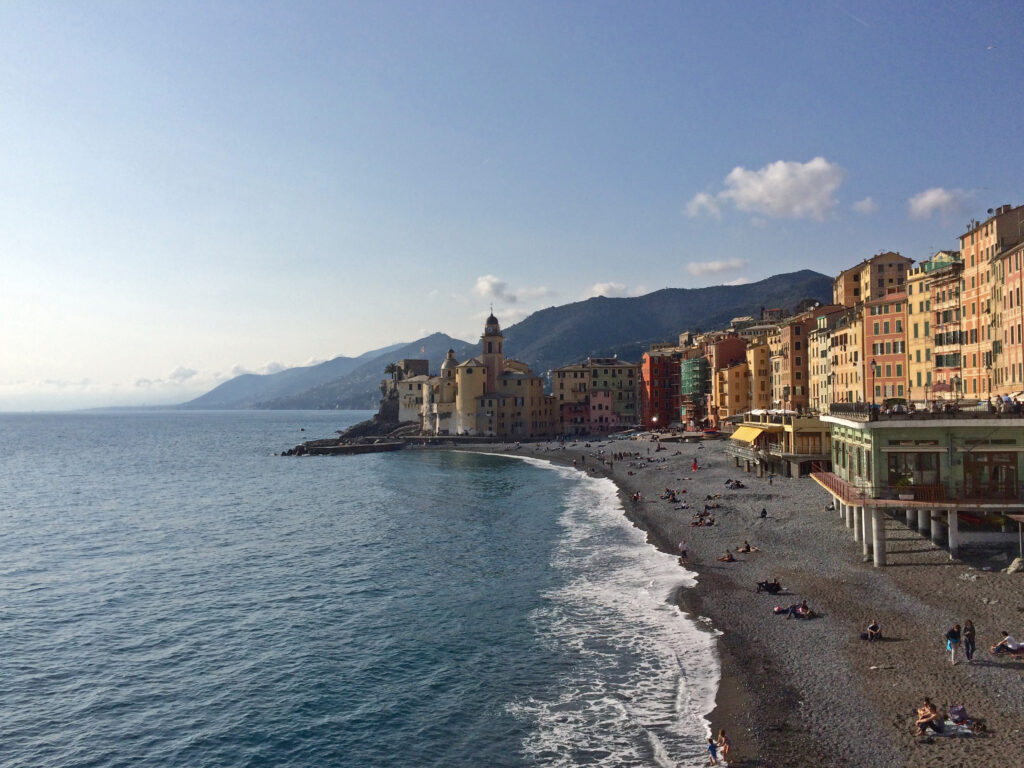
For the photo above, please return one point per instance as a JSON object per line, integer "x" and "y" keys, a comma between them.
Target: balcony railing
{"x": 950, "y": 410}
{"x": 945, "y": 494}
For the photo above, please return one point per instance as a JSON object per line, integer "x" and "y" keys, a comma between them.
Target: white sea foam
{"x": 643, "y": 676}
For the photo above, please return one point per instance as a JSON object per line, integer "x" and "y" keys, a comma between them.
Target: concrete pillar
{"x": 936, "y": 527}
{"x": 867, "y": 532}
{"x": 837, "y": 505}
{"x": 954, "y": 533}
{"x": 911, "y": 519}
{"x": 879, "y": 542}
{"x": 848, "y": 508}
{"x": 922, "y": 522}
{"x": 737, "y": 460}
{"x": 857, "y": 525}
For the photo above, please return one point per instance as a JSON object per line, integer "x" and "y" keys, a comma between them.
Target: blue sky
{"x": 192, "y": 190}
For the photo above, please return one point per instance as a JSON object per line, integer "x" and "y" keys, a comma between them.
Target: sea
{"x": 173, "y": 593}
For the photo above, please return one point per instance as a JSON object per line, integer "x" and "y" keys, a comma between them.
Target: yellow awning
{"x": 747, "y": 434}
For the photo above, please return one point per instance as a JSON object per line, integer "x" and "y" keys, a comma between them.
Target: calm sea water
{"x": 172, "y": 593}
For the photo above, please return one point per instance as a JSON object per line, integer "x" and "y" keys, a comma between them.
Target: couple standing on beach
{"x": 954, "y": 636}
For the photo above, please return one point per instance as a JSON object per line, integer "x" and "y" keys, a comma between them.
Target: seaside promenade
{"x": 811, "y": 692}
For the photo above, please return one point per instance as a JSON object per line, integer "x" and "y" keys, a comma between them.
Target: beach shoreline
{"x": 810, "y": 692}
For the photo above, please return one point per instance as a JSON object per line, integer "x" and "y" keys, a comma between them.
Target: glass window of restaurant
{"x": 913, "y": 469}
{"x": 990, "y": 474}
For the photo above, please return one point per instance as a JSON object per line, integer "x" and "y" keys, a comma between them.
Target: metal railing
{"x": 951, "y": 409}
{"x": 953, "y": 492}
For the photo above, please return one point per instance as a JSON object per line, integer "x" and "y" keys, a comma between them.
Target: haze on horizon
{"x": 189, "y": 191}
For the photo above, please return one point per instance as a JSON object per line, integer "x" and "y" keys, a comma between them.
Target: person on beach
{"x": 712, "y": 752}
{"x": 723, "y": 744}
{"x": 695, "y": 464}
{"x": 953, "y": 642}
{"x": 764, "y": 513}
{"x": 874, "y": 630}
{"x": 727, "y": 557}
{"x": 969, "y": 640}
{"x": 682, "y": 551}
{"x": 928, "y": 717}
{"x": 1007, "y": 645}
{"x": 746, "y": 548}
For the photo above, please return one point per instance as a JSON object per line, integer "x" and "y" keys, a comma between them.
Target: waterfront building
{"x": 870, "y": 279}
{"x": 724, "y": 391}
{"x": 945, "y": 278}
{"x": 598, "y": 396}
{"x": 819, "y": 354}
{"x": 694, "y": 385}
{"x": 885, "y": 343}
{"x": 759, "y": 375}
{"x": 847, "y": 356}
{"x": 1008, "y": 373}
{"x": 487, "y": 395}
{"x": 952, "y": 475}
{"x": 780, "y": 443}
{"x": 979, "y": 247}
{"x": 660, "y": 392}
{"x": 919, "y": 325}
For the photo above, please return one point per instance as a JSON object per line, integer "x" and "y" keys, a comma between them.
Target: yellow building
{"x": 759, "y": 375}
{"x": 730, "y": 392}
{"x": 487, "y": 395}
{"x": 920, "y": 323}
{"x": 870, "y": 279}
{"x": 847, "y": 356}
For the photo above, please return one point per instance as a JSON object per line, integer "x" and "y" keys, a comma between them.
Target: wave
{"x": 642, "y": 675}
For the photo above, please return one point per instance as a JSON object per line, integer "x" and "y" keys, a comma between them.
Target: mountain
{"x": 360, "y": 387}
{"x": 250, "y": 389}
{"x": 549, "y": 338}
{"x": 602, "y": 327}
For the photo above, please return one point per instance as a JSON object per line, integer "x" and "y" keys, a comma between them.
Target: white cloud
{"x": 867, "y": 205}
{"x": 703, "y": 203}
{"x": 182, "y": 374}
{"x": 491, "y": 287}
{"x": 938, "y": 200}
{"x": 610, "y": 290}
{"x": 738, "y": 281}
{"x": 714, "y": 267}
{"x": 783, "y": 189}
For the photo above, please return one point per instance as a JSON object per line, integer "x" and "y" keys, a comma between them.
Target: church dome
{"x": 491, "y": 320}
{"x": 449, "y": 362}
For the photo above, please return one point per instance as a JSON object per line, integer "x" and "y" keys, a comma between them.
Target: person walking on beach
{"x": 682, "y": 550}
{"x": 694, "y": 463}
{"x": 968, "y": 635}
{"x": 712, "y": 752}
{"x": 953, "y": 642}
{"x": 723, "y": 744}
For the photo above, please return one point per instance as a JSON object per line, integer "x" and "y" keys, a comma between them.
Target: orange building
{"x": 979, "y": 247}
{"x": 885, "y": 347}
{"x": 870, "y": 279}
{"x": 1008, "y": 373}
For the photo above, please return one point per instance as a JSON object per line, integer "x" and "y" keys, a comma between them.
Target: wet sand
{"x": 811, "y": 692}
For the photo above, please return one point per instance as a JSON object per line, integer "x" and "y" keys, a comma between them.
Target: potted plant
{"x": 905, "y": 489}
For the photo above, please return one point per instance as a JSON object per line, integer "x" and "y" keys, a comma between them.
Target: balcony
{"x": 967, "y": 410}
{"x": 889, "y": 495}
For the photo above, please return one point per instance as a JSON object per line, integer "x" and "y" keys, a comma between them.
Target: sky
{"x": 193, "y": 190}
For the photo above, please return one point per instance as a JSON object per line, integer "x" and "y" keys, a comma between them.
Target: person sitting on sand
{"x": 874, "y": 630}
{"x": 727, "y": 557}
{"x": 746, "y": 548}
{"x": 1007, "y": 645}
{"x": 928, "y": 717}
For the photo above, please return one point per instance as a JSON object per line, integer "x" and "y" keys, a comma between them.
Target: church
{"x": 487, "y": 395}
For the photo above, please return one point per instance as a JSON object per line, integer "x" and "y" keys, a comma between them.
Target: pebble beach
{"x": 812, "y": 692}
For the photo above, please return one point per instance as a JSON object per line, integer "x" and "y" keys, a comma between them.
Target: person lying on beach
{"x": 746, "y": 548}
{"x": 928, "y": 717}
{"x": 771, "y": 587}
{"x": 1007, "y": 645}
{"x": 802, "y": 611}
{"x": 727, "y": 557}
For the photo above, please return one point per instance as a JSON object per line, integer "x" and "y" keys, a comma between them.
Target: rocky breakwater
{"x": 372, "y": 436}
